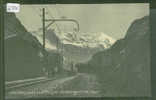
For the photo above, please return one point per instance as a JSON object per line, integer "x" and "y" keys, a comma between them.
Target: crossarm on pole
{"x": 54, "y": 20}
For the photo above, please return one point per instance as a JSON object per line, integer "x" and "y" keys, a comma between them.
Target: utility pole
{"x": 44, "y": 51}
{"x": 43, "y": 23}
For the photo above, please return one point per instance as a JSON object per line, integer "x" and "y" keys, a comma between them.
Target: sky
{"x": 111, "y": 19}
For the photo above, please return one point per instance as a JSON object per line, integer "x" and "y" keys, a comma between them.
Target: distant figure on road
{"x": 73, "y": 67}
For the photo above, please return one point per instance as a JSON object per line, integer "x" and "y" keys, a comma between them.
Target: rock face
{"x": 124, "y": 69}
{"x": 22, "y": 50}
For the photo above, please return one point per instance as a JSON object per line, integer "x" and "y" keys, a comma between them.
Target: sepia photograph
{"x": 78, "y": 50}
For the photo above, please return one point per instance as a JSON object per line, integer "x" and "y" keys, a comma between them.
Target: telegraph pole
{"x": 43, "y": 23}
{"x": 44, "y": 51}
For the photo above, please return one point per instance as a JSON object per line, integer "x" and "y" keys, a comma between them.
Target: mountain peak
{"x": 86, "y": 39}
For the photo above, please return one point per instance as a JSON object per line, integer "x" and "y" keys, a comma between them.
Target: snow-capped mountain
{"x": 85, "y": 40}
{"x": 91, "y": 40}
{"x": 76, "y": 46}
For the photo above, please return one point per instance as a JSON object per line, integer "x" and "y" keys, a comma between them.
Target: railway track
{"x": 24, "y": 83}
{"x": 47, "y": 88}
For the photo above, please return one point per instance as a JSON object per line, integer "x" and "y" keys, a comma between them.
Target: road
{"x": 80, "y": 85}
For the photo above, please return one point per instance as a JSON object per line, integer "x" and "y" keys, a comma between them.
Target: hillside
{"x": 22, "y": 50}
{"x": 124, "y": 69}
